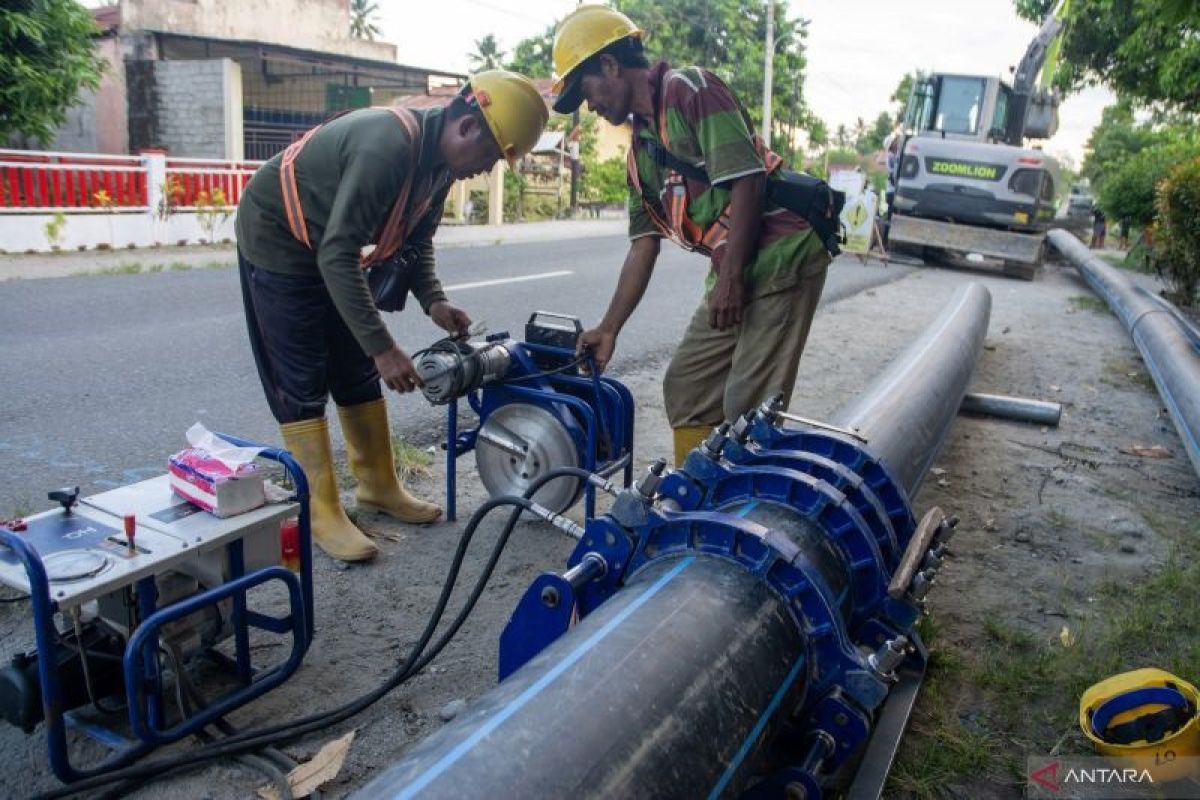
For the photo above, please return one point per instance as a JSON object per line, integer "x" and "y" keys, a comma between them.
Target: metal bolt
{"x": 795, "y": 791}
{"x": 841, "y": 720}
{"x": 885, "y": 660}
{"x": 921, "y": 584}
{"x": 550, "y": 597}
{"x": 681, "y": 491}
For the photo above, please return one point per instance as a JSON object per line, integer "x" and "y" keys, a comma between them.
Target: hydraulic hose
{"x": 416, "y": 661}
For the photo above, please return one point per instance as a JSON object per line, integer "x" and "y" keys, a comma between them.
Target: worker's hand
{"x": 452, "y": 319}
{"x": 600, "y": 343}
{"x": 726, "y": 302}
{"x": 396, "y": 370}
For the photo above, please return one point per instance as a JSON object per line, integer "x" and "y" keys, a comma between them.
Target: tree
{"x": 1178, "y": 207}
{"x": 1128, "y": 190}
{"x": 841, "y": 137}
{"x": 870, "y": 140}
{"x": 1117, "y": 138}
{"x": 818, "y": 133}
{"x": 534, "y": 56}
{"x": 725, "y": 36}
{"x": 1146, "y": 50}
{"x": 487, "y": 55}
{"x": 47, "y": 57}
{"x": 362, "y": 19}
{"x": 604, "y": 181}
{"x": 903, "y": 91}
{"x": 859, "y": 136}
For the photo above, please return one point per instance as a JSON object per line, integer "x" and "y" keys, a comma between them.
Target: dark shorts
{"x": 303, "y": 348}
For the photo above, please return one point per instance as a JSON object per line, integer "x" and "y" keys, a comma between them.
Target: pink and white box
{"x": 216, "y": 476}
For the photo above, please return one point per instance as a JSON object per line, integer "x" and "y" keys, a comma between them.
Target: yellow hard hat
{"x": 586, "y": 31}
{"x": 512, "y": 107}
{"x": 1146, "y": 717}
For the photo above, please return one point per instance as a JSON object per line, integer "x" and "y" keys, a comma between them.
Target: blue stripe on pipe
{"x": 756, "y": 731}
{"x": 1177, "y": 415}
{"x": 541, "y": 683}
{"x": 746, "y": 509}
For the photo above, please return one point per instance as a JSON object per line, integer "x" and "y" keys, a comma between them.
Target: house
{"x": 232, "y": 81}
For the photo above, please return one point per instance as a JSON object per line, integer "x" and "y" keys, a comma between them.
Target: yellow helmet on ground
{"x": 584, "y": 32}
{"x": 1147, "y": 716}
{"x": 512, "y": 107}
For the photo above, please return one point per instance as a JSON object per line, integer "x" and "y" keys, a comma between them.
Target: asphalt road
{"x": 103, "y": 374}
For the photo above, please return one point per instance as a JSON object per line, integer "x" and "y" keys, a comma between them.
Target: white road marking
{"x": 500, "y": 281}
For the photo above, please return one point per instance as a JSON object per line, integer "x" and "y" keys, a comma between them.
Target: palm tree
{"x": 362, "y": 26}
{"x": 487, "y": 55}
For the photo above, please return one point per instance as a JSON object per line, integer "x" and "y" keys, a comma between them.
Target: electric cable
{"x": 417, "y": 659}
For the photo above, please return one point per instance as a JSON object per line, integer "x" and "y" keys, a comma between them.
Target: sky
{"x": 857, "y": 49}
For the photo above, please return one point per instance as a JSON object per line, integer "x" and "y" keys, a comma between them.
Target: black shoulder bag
{"x": 391, "y": 280}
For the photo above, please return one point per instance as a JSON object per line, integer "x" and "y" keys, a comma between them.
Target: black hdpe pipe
{"x": 1166, "y": 344}
{"x": 670, "y": 689}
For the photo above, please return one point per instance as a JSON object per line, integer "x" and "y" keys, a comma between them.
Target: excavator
{"x": 966, "y": 185}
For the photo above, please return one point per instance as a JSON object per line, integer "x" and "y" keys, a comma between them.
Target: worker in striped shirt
{"x": 767, "y": 266}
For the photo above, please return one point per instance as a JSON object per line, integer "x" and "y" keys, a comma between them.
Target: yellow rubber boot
{"x": 687, "y": 439}
{"x": 332, "y": 530}
{"x": 369, "y": 451}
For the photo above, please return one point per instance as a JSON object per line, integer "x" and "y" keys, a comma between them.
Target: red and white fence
{"x": 38, "y": 180}
{"x": 193, "y": 176}
{"x": 51, "y": 201}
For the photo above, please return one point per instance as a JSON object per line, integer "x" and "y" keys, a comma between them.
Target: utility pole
{"x": 575, "y": 123}
{"x": 768, "y": 73}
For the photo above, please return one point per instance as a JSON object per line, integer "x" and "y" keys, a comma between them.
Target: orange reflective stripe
{"x": 392, "y": 234}
{"x": 391, "y": 238}
{"x": 291, "y": 192}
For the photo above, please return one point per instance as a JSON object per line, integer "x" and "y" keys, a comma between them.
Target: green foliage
{"x": 1116, "y": 138}
{"x": 1178, "y": 243}
{"x": 212, "y": 209}
{"x": 362, "y": 19}
{"x": 487, "y": 54}
{"x": 870, "y": 140}
{"x": 1147, "y": 50}
{"x": 725, "y": 36}
{"x": 534, "y": 56}
{"x": 604, "y": 181}
{"x": 46, "y": 59}
{"x": 586, "y": 134}
{"x": 514, "y": 196}
{"x": 818, "y": 132}
{"x": 54, "y": 229}
{"x": 842, "y": 155}
{"x": 1128, "y": 190}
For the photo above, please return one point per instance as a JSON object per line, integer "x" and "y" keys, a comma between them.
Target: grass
{"x": 411, "y": 461}
{"x": 943, "y": 745}
{"x": 1125, "y": 374}
{"x": 1087, "y": 302}
{"x": 987, "y": 705}
{"x": 124, "y": 268}
{"x": 137, "y": 268}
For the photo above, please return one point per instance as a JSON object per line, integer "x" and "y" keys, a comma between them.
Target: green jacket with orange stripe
{"x": 349, "y": 176}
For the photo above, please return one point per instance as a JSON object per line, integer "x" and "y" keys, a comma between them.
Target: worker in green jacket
{"x": 362, "y": 190}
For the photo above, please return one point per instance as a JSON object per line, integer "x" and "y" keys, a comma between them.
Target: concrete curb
{"x": 158, "y": 259}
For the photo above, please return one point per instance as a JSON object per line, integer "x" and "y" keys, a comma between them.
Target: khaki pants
{"x": 717, "y": 376}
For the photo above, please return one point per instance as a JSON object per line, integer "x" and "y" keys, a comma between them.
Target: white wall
{"x": 23, "y": 232}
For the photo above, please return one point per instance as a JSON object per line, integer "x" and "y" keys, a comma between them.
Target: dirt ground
{"x": 1051, "y": 518}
